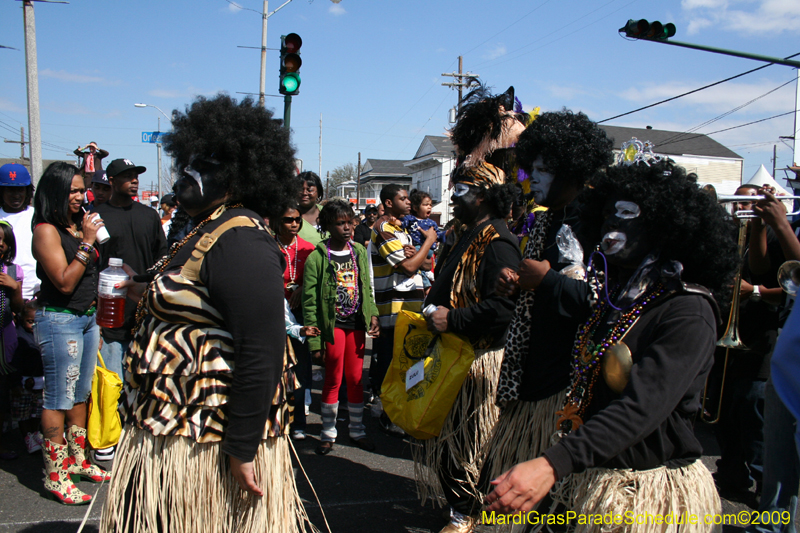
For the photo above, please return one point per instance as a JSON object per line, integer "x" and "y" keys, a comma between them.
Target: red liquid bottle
{"x": 111, "y": 301}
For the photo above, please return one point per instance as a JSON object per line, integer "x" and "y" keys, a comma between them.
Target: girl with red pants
{"x": 338, "y": 299}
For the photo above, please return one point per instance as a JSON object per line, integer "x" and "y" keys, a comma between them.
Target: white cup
{"x": 102, "y": 232}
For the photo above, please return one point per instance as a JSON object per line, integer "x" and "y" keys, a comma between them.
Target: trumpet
{"x": 789, "y": 277}
{"x": 743, "y": 198}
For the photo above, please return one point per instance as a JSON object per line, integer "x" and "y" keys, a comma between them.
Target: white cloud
{"x": 496, "y": 51}
{"x": 63, "y": 75}
{"x": 188, "y": 92}
{"x": 336, "y": 9}
{"x": 234, "y": 8}
{"x": 768, "y": 17}
{"x": 8, "y": 105}
{"x": 566, "y": 92}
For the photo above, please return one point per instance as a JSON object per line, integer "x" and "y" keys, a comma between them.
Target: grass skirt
{"x": 675, "y": 492}
{"x": 174, "y": 484}
{"x": 465, "y": 433}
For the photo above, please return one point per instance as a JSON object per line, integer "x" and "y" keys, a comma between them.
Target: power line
{"x": 728, "y": 129}
{"x": 693, "y": 91}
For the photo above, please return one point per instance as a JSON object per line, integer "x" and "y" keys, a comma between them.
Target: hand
{"x": 296, "y": 298}
{"x": 521, "y": 488}
{"x": 409, "y": 251}
{"x": 770, "y": 208}
{"x": 309, "y": 331}
{"x": 29, "y": 383}
{"x": 507, "y": 283}
{"x": 245, "y": 474}
{"x": 91, "y": 223}
{"x": 8, "y": 281}
{"x": 437, "y": 321}
{"x": 531, "y": 273}
{"x": 374, "y": 327}
{"x": 746, "y": 290}
{"x": 430, "y": 235}
{"x": 135, "y": 288}
{"x": 317, "y": 358}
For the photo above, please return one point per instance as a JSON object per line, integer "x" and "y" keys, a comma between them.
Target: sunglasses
{"x": 289, "y": 220}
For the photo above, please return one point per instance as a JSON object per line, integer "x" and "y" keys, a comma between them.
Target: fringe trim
{"x": 174, "y": 484}
{"x": 465, "y": 438}
{"x": 662, "y": 491}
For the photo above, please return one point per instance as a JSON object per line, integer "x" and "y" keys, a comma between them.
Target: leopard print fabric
{"x": 519, "y": 331}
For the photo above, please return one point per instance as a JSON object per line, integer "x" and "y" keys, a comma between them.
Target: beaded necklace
{"x": 587, "y": 357}
{"x": 341, "y": 312}
{"x": 290, "y": 265}
{"x": 162, "y": 263}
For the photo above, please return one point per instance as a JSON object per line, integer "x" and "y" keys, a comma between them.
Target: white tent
{"x": 762, "y": 177}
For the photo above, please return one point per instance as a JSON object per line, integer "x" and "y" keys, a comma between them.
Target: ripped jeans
{"x": 69, "y": 354}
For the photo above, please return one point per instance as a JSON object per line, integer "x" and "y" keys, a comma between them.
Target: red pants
{"x": 345, "y": 354}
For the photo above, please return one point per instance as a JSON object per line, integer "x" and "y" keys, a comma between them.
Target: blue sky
{"x": 373, "y": 68}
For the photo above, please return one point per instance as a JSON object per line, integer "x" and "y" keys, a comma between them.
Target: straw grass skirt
{"x": 639, "y": 497}
{"x": 465, "y": 433}
{"x": 173, "y": 484}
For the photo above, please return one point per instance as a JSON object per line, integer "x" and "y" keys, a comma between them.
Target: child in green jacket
{"x": 337, "y": 299}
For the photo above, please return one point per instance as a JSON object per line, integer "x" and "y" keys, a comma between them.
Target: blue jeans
{"x": 781, "y": 463}
{"x": 69, "y": 355}
{"x": 113, "y": 353}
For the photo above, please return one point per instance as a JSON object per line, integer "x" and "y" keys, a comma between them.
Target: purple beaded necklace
{"x": 344, "y": 313}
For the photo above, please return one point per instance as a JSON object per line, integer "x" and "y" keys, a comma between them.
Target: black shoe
{"x": 390, "y": 428}
{"x": 324, "y": 448}
{"x": 736, "y": 494}
{"x": 364, "y": 443}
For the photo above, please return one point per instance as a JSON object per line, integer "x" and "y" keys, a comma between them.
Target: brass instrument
{"x": 730, "y": 340}
{"x": 743, "y": 198}
{"x": 789, "y": 277}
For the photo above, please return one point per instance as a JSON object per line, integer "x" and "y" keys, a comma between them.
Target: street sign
{"x": 153, "y": 137}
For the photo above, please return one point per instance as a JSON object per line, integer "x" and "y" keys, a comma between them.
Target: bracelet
{"x": 87, "y": 248}
{"x": 82, "y": 257}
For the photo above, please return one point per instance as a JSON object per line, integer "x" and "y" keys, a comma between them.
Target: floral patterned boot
{"x": 56, "y": 462}
{"x": 80, "y": 466}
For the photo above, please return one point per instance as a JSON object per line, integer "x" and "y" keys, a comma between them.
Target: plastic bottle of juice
{"x": 111, "y": 301}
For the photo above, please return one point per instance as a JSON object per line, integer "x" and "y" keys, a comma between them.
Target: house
{"x": 712, "y": 162}
{"x": 27, "y": 164}
{"x": 430, "y": 172}
{"x": 346, "y": 189}
{"x": 375, "y": 174}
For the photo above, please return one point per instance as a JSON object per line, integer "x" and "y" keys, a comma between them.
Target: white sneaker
{"x": 298, "y": 434}
{"x": 106, "y": 454}
{"x": 39, "y": 438}
{"x": 376, "y": 408}
{"x": 31, "y": 444}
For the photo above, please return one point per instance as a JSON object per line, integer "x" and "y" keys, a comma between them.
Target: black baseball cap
{"x": 168, "y": 199}
{"x": 121, "y": 165}
{"x": 100, "y": 177}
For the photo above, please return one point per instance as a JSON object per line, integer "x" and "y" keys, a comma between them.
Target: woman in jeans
{"x": 65, "y": 328}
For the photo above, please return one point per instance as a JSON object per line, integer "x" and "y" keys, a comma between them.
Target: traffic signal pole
{"x": 287, "y": 111}
{"x": 777, "y": 60}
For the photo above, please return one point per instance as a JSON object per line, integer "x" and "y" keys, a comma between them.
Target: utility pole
{"x": 358, "y": 182}
{"x": 460, "y": 84}
{"x": 158, "y": 151}
{"x": 795, "y": 155}
{"x": 263, "y": 81}
{"x": 320, "y": 145}
{"x": 32, "y": 74}
{"x": 22, "y": 142}
{"x": 774, "y": 159}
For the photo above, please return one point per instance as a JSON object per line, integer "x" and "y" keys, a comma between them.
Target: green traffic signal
{"x": 290, "y": 64}
{"x": 290, "y": 83}
{"x": 651, "y": 31}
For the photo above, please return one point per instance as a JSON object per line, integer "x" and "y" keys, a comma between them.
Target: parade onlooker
{"x": 310, "y": 194}
{"x": 398, "y": 283}
{"x": 100, "y": 188}
{"x": 168, "y": 206}
{"x": 363, "y": 232}
{"x": 337, "y": 298}
{"x": 418, "y": 220}
{"x": 28, "y": 397}
{"x": 91, "y": 160}
{"x": 17, "y": 193}
{"x": 286, "y": 223}
{"x": 65, "y": 328}
{"x": 221, "y": 287}
{"x": 11, "y": 278}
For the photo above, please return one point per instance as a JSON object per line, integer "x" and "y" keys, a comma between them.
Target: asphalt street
{"x": 359, "y": 492}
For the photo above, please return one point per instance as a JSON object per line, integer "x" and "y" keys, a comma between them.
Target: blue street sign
{"x": 153, "y": 137}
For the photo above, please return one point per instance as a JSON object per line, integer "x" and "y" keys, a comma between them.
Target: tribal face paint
{"x": 625, "y": 239}
{"x": 541, "y": 181}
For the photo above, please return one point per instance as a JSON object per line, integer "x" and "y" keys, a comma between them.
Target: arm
{"x": 411, "y": 265}
{"x": 248, "y": 294}
{"x": 312, "y": 277}
{"x": 773, "y": 213}
{"x": 368, "y": 297}
{"x": 48, "y": 252}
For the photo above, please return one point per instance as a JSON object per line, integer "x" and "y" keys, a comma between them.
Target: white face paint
{"x": 540, "y": 181}
{"x": 613, "y": 242}
{"x": 197, "y": 177}
{"x": 627, "y": 210}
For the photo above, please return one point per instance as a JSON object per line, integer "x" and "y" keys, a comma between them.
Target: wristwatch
{"x": 756, "y": 296}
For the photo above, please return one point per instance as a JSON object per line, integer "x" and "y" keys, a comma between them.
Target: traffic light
{"x": 651, "y": 31}
{"x": 290, "y": 64}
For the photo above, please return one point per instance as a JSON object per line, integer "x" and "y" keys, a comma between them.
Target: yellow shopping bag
{"x": 425, "y": 376}
{"x": 104, "y": 425}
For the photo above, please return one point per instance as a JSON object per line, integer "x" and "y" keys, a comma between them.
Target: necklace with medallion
{"x": 291, "y": 265}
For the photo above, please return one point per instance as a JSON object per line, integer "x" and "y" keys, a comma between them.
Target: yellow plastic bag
{"x": 420, "y": 406}
{"x": 104, "y": 425}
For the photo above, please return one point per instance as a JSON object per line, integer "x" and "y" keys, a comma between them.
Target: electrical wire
{"x": 693, "y": 91}
{"x": 728, "y": 129}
